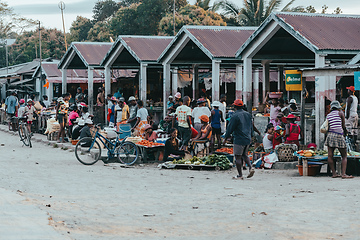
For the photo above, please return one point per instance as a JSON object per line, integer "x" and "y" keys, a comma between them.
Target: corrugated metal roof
{"x": 326, "y": 31}
{"x": 221, "y": 42}
{"x": 93, "y": 53}
{"x": 146, "y": 48}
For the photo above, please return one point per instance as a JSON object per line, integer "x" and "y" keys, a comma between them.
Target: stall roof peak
{"x": 89, "y": 53}
{"x": 141, "y": 48}
{"x": 321, "y": 33}
{"x": 214, "y": 41}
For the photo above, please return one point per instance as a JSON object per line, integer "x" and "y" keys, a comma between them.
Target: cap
{"x": 293, "y": 101}
{"x": 113, "y": 98}
{"x": 311, "y": 145}
{"x": 171, "y": 97}
{"x": 290, "y": 116}
{"x": 88, "y": 121}
{"x": 335, "y": 104}
{"x": 351, "y": 88}
{"x": 177, "y": 95}
{"x": 216, "y": 104}
{"x": 204, "y": 118}
{"x": 200, "y": 100}
{"x": 21, "y": 101}
{"x": 121, "y": 99}
{"x": 132, "y": 98}
{"x": 79, "y": 88}
{"x": 29, "y": 100}
{"x": 238, "y": 102}
{"x": 147, "y": 126}
{"x": 278, "y": 128}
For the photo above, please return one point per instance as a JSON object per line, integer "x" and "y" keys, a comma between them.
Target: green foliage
{"x": 189, "y": 15}
{"x": 79, "y": 29}
{"x": 99, "y": 33}
{"x": 104, "y": 9}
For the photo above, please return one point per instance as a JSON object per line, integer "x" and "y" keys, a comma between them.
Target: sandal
{"x": 238, "y": 178}
{"x": 336, "y": 176}
{"x": 347, "y": 176}
{"x": 252, "y": 172}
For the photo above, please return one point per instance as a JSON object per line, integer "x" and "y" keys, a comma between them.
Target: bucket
{"x": 313, "y": 170}
{"x": 125, "y": 130}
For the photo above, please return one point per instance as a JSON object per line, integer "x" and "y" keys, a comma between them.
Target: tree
{"x": 104, "y": 9}
{"x": 100, "y": 32}
{"x": 189, "y": 15}
{"x": 254, "y": 12}
{"x": 79, "y": 29}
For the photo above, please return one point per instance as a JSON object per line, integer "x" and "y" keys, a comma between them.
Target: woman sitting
{"x": 268, "y": 138}
{"x": 172, "y": 147}
{"x": 149, "y": 133}
{"x": 205, "y": 130}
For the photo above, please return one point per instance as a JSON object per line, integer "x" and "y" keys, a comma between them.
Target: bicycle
{"x": 88, "y": 149}
{"x": 23, "y": 131}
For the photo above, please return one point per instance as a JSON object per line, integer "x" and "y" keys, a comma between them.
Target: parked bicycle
{"x": 23, "y": 130}
{"x": 88, "y": 150}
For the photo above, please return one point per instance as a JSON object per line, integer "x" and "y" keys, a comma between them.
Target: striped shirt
{"x": 335, "y": 124}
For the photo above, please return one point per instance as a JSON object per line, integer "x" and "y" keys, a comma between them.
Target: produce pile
{"x": 226, "y": 150}
{"x": 147, "y": 143}
{"x": 220, "y": 161}
{"x": 306, "y": 153}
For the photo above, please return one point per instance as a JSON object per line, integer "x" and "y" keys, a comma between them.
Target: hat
{"x": 216, "y": 104}
{"x": 22, "y": 101}
{"x": 79, "y": 88}
{"x": 311, "y": 145}
{"x": 177, "y": 95}
{"x": 88, "y": 121}
{"x": 147, "y": 126}
{"x": 200, "y": 100}
{"x": 29, "y": 100}
{"x": 335, "y": 104}
{"x": 351, "y": 88}
{"x": 121, "y": 99}
{"x": 238, "y": 102}
{"x": 293, "y": 101}
{"x": 171, "y": 97}
{"x": 290, "y": 116}
{"x": 81, "y": 122}
{"x": 204, "y": 118}
{"x": 278, "y": 128}
{"x": 132, "y": 98}
{"x": 113, "y": 98}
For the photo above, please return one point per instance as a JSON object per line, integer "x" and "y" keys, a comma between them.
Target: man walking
{"x": 351, "y": 116}
{"x": 183, "y": 114}
{"x": 11, "y": 106}
{"x": 241, "y": 127}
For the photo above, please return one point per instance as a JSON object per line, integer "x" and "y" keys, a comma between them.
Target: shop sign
{"x": 357, "y": 80}
{"x": 293, "y": 80}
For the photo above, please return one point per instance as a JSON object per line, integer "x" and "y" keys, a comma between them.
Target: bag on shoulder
{"x": 324, "y": 127}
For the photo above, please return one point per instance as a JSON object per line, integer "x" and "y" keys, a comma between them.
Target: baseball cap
{"x": 351, "y": 88}
{"x": 238, "y": 102}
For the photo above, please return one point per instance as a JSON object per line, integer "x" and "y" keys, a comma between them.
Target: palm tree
{"x": 254, "y": 12}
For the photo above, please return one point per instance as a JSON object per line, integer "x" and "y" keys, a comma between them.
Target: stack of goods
{"x": 147, "y": 143}
{"x": 225, "y": 150}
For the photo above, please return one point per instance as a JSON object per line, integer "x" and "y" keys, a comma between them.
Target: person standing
{"x": 61, "y": 114}
{"x": 11, "y": 107}
{"x": 29, "y": 113}
{"x": 198, "y": 111}
{"x": 121, "y": 112}
{"x": 274, "y": 107}
{"x": 335, "y": 138}
{"x": 183, "y": 114}
{"x": 351, "y": 116}
{"x": 241, "y": 127}
{"x": 79, "y": 97}
{"x": 222, "y": 108}
{"x": 141, "y": 119}
{"x": 133, "y": 111}
{"x": 100, "y": 99}
{"x": 216, "y": 121}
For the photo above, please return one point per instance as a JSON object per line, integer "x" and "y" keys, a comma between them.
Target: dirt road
{"x": 61, "y": 199}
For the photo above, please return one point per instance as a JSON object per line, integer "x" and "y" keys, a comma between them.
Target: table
{"x": 145, "y": 150}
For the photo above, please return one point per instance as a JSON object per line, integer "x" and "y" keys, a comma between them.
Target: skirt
{"x": 139, "y": 130}
{"x": 335, "y": 140}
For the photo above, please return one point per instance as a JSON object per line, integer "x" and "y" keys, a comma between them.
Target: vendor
{"x": 172, "y": 147}
{"x": 274, "y": 107}
{"x": 74, "y": 114}
{"x": 268, "y": 138}
{"x": 149, "y": 133}
{"x": 205, "y": 129}
{"x": 85, "y": 131}
{"x": 293, "y": 131}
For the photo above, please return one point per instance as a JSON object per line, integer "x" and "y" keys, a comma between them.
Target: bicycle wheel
{"x": 24, "y": 135}
{"x": 87, "y": 151}
{"x": 127, "y": 153}
{"x": 21, "y": 133}
{"x": 29, "y": 139}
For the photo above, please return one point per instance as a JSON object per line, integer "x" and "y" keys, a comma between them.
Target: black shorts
{"x": 216, "y": 130}
{"x": 61, "y": 118}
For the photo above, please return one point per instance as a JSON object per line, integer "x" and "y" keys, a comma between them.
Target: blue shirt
{"x": 241, "y": 127}
{"x": 11, "y": 102}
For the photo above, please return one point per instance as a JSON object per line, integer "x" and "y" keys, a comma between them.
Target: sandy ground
{"x": 45, "y": 193}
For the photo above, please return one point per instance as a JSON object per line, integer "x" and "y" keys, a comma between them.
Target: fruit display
{"x": 306, "y": 153}
{"x": 226, "y": 150}
{"x": 147, "y": 143}
{"x": 353, "y": 153}
{"x": 321, "y": 152}
{"x": 215, "y": 160}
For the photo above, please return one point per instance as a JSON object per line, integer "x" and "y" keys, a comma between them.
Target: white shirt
{"x": 182, "y": 113}
{"x": 353, "y": 107}
{"x": 21, "y": 111}
{"x": 118, "y": 110}
{"x": 47, "y": 103}
{"x": 198, "y": 112}
{"x": 266, "y": 142}
{"x": 222, "y": 108}
{"x": 142, "y": 113}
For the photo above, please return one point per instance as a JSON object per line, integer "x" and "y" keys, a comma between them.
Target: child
{"x": 278, "y": 135}
{"x": 216, "y": 119}
{"x": 29, "y": 113}
{"x": 21, "y": 110}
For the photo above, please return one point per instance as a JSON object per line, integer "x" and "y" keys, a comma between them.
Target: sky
{"x": 49, "y": 14}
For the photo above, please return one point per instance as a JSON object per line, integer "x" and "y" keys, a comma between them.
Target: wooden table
{"x": 144, "y": 151}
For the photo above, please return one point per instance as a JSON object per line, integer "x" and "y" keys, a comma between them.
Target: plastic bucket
{"x": 125, "y": 130}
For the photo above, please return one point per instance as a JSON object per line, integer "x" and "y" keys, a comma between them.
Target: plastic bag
{"x": 270, "y": 160}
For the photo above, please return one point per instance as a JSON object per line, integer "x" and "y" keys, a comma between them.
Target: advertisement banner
{"x": 357, "y": 80}
{"x": 293, "y": 80}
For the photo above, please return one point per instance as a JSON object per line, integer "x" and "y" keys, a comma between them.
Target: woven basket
{"x": 285, "y": 152}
